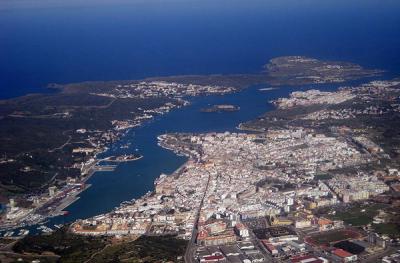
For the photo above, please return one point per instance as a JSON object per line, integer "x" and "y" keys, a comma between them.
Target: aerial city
{"x": 199, "y": 131}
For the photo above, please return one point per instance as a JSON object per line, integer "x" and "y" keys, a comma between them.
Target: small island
{"x": 124, "y": 158}
{"x": 221, "y": 108}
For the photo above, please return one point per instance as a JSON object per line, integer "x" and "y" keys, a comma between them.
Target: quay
{"x": 104, "y": 168}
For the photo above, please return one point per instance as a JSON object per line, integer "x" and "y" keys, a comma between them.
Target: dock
{"x": 104, "y": 168}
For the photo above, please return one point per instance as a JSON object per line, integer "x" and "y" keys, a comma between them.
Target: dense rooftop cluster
{"x": 250, "y": 197}
{"x": 146, "y": 100}
{"x": 164, "y": 89}
{"x": 311, "y": 97}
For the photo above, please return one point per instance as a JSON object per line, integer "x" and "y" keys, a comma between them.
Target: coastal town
{"x": 90, "y": 143}
{"x": 191, "y": 131}
{"x": 281, "y": 189}
{"x": 276, "y": 195}
{"x": 71, "y": 128}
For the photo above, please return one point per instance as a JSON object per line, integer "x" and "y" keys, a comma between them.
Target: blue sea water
{"x": 133, "y": 179}
{"x": 58, "y": 41}
{"x": 70, "y": 41}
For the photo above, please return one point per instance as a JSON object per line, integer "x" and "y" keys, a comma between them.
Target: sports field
{"x": 327, "y": 238}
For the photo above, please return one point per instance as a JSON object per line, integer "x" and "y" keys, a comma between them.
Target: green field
{"x": 333, "y": 236}
{"x": 389, "y": 229}
{"x": 355, "y": 215}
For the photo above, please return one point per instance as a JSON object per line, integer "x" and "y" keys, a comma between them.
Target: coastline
{"x": 119, "y": 132}
{"x": 187, "y": 144}
{"x": 89, "y": 169}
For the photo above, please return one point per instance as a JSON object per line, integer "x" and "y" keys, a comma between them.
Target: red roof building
{"x": 343, "y": 255}
{"x": 307, "y": 259}
{"x": 211, "y": 259}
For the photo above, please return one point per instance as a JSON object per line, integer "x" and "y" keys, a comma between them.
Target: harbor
{"x": 141, "y": 160}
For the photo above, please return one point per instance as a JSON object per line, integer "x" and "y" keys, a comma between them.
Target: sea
{"x": 53, "y": 41}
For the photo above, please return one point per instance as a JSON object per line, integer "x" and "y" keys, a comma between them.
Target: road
{"x": 191, "y": 247}
{"x": 268, "y": 257}
{"x": 65, "y": 144}
{"x": 376, "y": 257}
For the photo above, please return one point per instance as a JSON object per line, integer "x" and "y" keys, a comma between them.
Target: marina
{"x": 104, "y": 168}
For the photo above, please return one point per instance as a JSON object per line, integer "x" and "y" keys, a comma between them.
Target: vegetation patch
{"x": 390, "y": 229}
{"x": 144, "y": 249}
{"x": 65, "y": 247}
{"x": 358, "y": 214}
{"x": 70, "y": 247}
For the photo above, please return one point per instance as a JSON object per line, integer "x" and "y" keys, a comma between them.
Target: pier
{"x": 104, "y": 168}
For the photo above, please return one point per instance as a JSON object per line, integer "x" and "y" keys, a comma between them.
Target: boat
{"x": 221, "y": 108}
{"x": 9, "y": 234}
{"x": 45, "y": 229}
{"x": 23, "y": 232}
{"x": 267, "y": 89}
